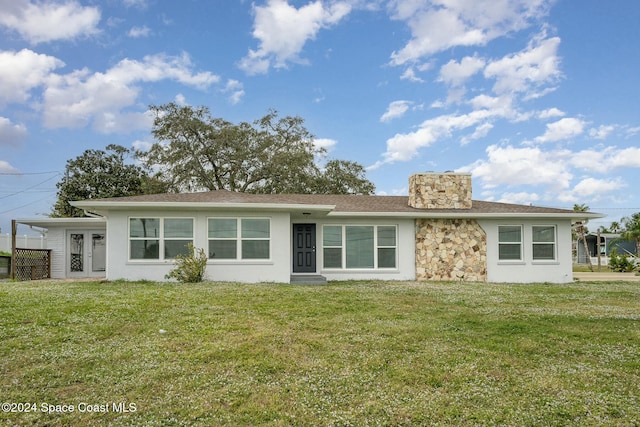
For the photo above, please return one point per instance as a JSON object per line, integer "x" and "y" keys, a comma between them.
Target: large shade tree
{"x": 102, "y": 173}
{"x": 195, "y": 151}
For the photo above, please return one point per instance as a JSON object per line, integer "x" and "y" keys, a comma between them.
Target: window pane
{"x": 223, "y": 249}
{"x": 386, "y": 258}
{"x": 332, "y": 257}
{"x": 145, "y": 249}
{"x": 359, "y": 246}
{"x": 144, "y": 227}
{"x": 332, "y": 236}
{"x": 509, "y": 233}
{"x": 255, "y": 249}
{"x": 544, "y": 234}
{"x": 543, "y": 251}
{"x": 178, "y": 227}
{"x": 176, "y": 247}
{"x": 76, "y": 251}
{"x": 223, "y": 228}
{"x": 386, "y": 236}
{"x": 255, "y": 228}
{"x": 507, "y": 251}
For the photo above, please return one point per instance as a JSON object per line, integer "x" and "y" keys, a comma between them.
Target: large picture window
{"x": 510, "y": 242}
{"x": 239, "y": 238}
{"x": 159, "y": 238}
{"x": 359, "y": 246}
{"x": 544, "y": 242}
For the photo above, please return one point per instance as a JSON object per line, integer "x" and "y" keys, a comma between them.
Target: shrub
{"x": 189, "y": 268}
{"x": 620, "y": 262}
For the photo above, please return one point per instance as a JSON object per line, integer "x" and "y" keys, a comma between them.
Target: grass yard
{"x": 341, "y": 354}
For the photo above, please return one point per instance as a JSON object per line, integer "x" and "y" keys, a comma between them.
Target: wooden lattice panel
{"x": 32, "y": 264}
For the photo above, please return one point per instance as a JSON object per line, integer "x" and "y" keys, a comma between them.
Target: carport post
{"x": 14, "y": 231}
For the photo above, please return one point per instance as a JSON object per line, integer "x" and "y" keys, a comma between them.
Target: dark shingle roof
{"x": 343, "y": 203}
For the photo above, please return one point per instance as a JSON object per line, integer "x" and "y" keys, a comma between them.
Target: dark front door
{"x": 304, "y": 248}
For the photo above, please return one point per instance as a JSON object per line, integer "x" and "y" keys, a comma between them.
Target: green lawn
{"x": 341, "y": 354}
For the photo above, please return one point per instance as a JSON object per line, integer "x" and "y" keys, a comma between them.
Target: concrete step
{"x": 308, "y": 279}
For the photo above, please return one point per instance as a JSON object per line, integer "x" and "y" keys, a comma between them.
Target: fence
{"x": 32, "y": 264}
{"x": 5, "y": 266}
{"x": 30, "y": 242}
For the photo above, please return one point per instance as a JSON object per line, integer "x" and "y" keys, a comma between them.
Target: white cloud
{"x": 527, "y": 70}
{"x": 11, "y": 134}
{"x": 410, "y": 74}
{"x": 480, "y": 132}
{"x": 22, "y": 71}
{"x": 75, "y": 99}
{"x": 438, "y": 26}
{"x": 140, "y": 4}
{"x": 46, "y": 21}
{"x": 626, "y": 157}
{"x": 520, "y": 198}
{"x": 455, "y": 73}
{"x": 141, "y": 145}
{"x": 550, "y": 113}
{"x": 601, "y": 132}
{"x": 138, "y": 32}
{"x": 283, "y": 30}
{"x": 597, "y": 188}
{"x": 180, "y": 99}
{"x": 404, "y": 147}
{"x": 511, "y": 166}
{"x": 5, "y": 167}
{"x": 395, "y": 110}
{"x": 235, "y": 89}
{"x": 325, "y": 143}
{"x": 565, "y": 128}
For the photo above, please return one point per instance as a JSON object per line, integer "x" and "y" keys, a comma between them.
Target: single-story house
{"x": 608, "y": 243}
{"x": 436, "y": 233}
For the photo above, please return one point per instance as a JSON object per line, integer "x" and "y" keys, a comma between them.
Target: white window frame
{"x": 343, "y": 247}
{"x": 240, "y": 240}
{"x": 520, "y": 244}
{"x": 554, "y": 244}
{"x": 161, "y": 238}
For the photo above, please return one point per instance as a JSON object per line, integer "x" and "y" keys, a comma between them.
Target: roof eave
{"x": 48, "y": 222}
{"x": 469, "y": 215}
{"x": 106, "y": 206}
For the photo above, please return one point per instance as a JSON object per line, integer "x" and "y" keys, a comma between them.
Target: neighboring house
{"x": 436, "y": 233}
{"x": 608, "y": 242}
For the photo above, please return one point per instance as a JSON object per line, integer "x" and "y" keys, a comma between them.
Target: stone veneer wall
{"x": 450, "y": 249}
{"x": 440, "y": 191}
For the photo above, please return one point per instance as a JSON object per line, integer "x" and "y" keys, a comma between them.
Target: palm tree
{"x": 581, "y": 230}
{"x": 632, "y": 230}
{"x": 614, "y": 227}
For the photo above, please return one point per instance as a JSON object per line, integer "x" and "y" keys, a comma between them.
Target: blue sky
{"x": 538, "y": 99}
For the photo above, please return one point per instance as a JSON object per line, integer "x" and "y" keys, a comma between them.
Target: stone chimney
{"x": 446, "y": 190}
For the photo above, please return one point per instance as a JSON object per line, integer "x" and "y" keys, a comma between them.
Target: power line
{"x": 27, "y": 173}
{"x": 29, "y": 188}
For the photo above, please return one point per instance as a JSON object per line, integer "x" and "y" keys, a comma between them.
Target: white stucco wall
{"x": 527, "y": 270}
{"x": 276, "y": 269}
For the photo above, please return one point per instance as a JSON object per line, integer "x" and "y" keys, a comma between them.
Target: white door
{"x": 86, "y": 253}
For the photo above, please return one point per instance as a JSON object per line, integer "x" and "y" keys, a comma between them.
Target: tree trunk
{"x": 586, "y": 247}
